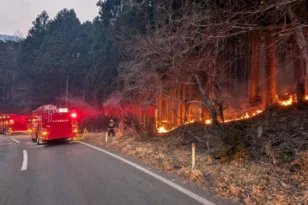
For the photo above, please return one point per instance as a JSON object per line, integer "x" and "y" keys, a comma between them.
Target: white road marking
{"x": 25, "y": 161}
{"x": 15, "y": 140}
{"x": 160, "y": 178}
{"x": 37, "y": 146}
{"x": 1, "y": 144}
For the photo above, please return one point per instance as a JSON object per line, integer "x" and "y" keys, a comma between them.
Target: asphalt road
{"x": 79, "y": 174}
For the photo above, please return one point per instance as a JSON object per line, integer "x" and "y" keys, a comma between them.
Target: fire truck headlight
{"x": 75, "y": 131}
{"x": 74, "y": 115}
{"x": 44, "y": 133}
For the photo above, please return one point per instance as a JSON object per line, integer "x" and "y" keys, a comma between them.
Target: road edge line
{"x": 24, "y": 161}
{"x": 156, "y": 176}
{"x": 15, "y": 140}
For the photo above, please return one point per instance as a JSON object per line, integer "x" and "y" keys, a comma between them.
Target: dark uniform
{"x": 111, "y": 128}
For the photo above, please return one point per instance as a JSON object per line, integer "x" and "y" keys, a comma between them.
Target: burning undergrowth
{"x": 282, "y": 129}
{"x": 262, "y": 160}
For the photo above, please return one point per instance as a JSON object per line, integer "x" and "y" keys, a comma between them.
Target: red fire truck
{"x": 12, "y": 123}
{"x": 52, "y": 123}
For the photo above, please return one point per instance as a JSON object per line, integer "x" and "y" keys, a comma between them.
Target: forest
{"x": 162, "y": 63}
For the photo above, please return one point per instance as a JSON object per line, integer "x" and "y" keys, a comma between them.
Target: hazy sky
{"x": 17, "y": 15}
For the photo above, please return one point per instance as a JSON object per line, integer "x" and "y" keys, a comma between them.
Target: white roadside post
{"x": 106, "y": 137}
{"x": 193, "y": 155}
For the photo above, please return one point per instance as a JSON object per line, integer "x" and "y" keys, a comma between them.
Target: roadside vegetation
{"x": 267, "y": 167}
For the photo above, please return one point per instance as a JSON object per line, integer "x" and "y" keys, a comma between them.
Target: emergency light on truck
{"x": 63, "y": 110}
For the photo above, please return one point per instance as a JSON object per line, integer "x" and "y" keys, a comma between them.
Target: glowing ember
{"x": 287, "y": 102}
{"x": 162, "y": 130}
{"x": 190, "y": 122}
{"x": 246, "y": 116}
{"x": 257, "y": 112}
{"x": 208, "y": 122}
{"x": 243, "y": 117}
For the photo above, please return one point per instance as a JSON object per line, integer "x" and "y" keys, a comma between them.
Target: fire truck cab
{"x": 52, "y": 123}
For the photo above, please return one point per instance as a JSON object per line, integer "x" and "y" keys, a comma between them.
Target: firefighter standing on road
{"x": 111, "y": 128}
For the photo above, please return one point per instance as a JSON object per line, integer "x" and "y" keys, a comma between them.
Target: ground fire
{"x": 291, "y": 99}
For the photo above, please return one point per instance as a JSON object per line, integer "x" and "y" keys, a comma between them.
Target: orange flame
{"x": 190, "y": 122}
{"x": 162, "y": 130}
{"x": 257, "y": 112}
{"x": 287, "y": 102}
{"x": 247, "y": 115}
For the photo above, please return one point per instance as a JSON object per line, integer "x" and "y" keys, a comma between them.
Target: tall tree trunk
{"x": 300, "y": 38}
{"x": 270, "y": 71}
{"x": 184, "y": 110}
{"x": 188, "y": 99}
{"x": 207, "y": 100}
{"x": 175, "y": 108}
{"x": 247, "y": 56}
{"x": 204, "y": 116}
{"x": 180, "y": 97}
{"x": 230, "y": 66}
{"x": 144, "y": 118}
{"x": 167, "y": 109}
{"x": 84, "y": 90}
{"x": 235, "y": 64}
{"x": 150, "y": 122}
{"x": 255, "y": 70}
{"x": 6, "y": 93}
{"x": 299, "y": 73}
{"x": 10, "y": 90}
{"x": 172, "y": 107}
{"x": 159, "y": 109}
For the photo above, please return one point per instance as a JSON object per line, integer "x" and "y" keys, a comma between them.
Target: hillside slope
{"x": 264, "y": 162}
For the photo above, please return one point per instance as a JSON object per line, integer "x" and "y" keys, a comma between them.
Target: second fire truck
{"x": 52, "y": 123}
{"x": 12, "y": 123}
